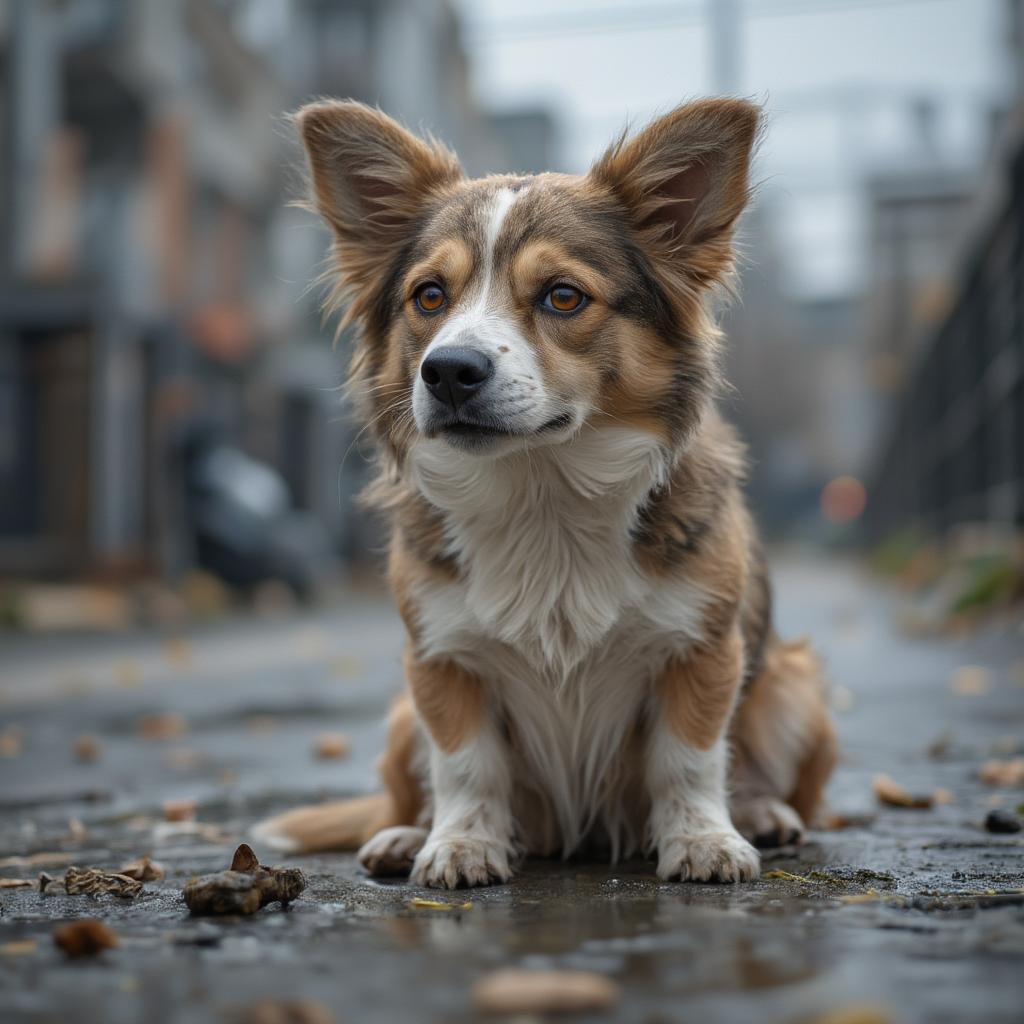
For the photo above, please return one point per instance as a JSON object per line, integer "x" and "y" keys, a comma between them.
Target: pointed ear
{"x": 684, "y": 180}
{"x": 371, "y": 179}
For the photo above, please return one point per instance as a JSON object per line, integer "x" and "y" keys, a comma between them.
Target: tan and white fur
{"x": 591, "y": 665}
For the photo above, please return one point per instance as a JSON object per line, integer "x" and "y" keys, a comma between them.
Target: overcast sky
{"x": 838, "y": 77}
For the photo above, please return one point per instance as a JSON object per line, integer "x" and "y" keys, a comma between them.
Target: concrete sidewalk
{"x": 913, "y": 915}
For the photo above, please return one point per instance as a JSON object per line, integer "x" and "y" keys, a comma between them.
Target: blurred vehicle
{"x": 245, "y": 527}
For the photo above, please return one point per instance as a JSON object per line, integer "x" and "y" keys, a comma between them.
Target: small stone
{"x": 85, "y": 938}
{"x": 1002, "y": 821}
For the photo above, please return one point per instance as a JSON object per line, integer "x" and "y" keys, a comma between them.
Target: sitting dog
{"x": 591, "y": 664}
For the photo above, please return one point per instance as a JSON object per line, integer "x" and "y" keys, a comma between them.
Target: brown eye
{"x": 563, "y": 298}
{"x": 429, "y": 298}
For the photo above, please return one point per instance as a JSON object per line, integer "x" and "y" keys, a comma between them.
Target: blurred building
{"x": 154, "y": 282}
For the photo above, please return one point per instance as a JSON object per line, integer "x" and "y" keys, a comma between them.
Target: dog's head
{"x": 507, "y": 312}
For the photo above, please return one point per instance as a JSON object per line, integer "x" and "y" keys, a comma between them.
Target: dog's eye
{"x": 563, "y": 298}
{"x": 429, "y": 298}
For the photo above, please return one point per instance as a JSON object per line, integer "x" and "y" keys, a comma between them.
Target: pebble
{"x": 1002, "y": 821}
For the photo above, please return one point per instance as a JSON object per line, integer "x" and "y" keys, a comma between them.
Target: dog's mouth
{"x": 479, "y": 430}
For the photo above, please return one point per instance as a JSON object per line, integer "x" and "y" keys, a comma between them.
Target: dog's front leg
{"x": 687, "y": 764}
{"x": 470, "y": 841}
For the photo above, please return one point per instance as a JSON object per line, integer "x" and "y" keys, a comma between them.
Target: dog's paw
{"x": 392, "y": 850}
{"x": 460, "y": 861}
{"x": 708, "y": 857}
{"x": 767, "y": 822}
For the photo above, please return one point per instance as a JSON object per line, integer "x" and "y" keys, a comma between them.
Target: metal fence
{"x": 954, "y": 448}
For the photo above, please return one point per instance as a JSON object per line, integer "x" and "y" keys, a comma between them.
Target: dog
{"x": 591, "y": 664}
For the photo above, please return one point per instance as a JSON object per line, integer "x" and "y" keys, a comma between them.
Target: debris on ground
{"x": 514, "y": 991}
{"x": 21, "y": 947}
{"x": 85, "y": 938}
{"x": 34, "y": 859}
{"x": 165, "y": 726}
{"x": 302, "y": 1011}
{"x": 421, "y": 904}
{"x": 179, "y": 810}
{"x": 786, "y": 876}
{"x": 971, "y": 681}
{"x": 77, "y": 830}
{"x": 840, "y": 820}
{"x": 95, "y": 882}
{"x": 1003, "y": 773}
{"x": 87, "y": 749}
{"x": 12, "y": 742}
{"x": 332, "y": 745}
{"x": 855, "y": 1015}
{"x": 244, "y": 888}
{"x": 45, "y": 881}
{"x": 16, "y": 883}
{"x": 143, "y": 869}
{"x": 1004, "y": 822}
{"x": 894, "y": 795}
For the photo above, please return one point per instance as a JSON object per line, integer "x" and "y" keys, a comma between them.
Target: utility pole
{"x": 724, "y": 32}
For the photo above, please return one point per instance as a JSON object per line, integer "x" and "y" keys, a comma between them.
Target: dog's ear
{"x": 371, "y": 179}
{"x": 685, "y": 180}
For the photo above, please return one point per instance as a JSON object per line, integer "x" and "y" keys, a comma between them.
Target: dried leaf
{"x": 515, "y": 991}
{"x": 17, "y": 883}
{"x": 332, "y": 745}
{"x": 94, "y": 882}
{"x": 21, "y": 948}
{"x": 779, "y": 873}
{"x": 85, "y": 938}
{"x": 839, "y": 820}
{"x": 32, "y": 859}
{"x": 297, "y": 1012}
{"x": 179, "y": 810}
{"x": 422, "y": 904}
{"x": 143, "y": 870}
{"x": 87, "y": 749}
{"x": 165, "y": 726}
{"x": 893, "y": 794}
{"x": 243, "y": 891}
{"x": 1003, "y": 773}
{"x": 12, "y": 742}
{"x": 971, "y": 681}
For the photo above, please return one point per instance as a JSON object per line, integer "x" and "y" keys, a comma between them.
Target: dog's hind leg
{"x": 351, "y": 824}
{"x": 784, "y": 748}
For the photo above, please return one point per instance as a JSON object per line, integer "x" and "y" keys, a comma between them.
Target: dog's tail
{"x": 339, "y": 825}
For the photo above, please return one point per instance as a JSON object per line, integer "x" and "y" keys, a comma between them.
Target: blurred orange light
{"x": 843, "y": 499}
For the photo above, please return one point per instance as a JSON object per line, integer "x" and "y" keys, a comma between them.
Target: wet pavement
{"x": 904, "y": 915}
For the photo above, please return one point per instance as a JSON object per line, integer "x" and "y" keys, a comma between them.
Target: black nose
{"x": 453, "y": 374}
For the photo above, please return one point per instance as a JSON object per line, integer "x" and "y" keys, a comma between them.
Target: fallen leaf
{"x": 301, "y": 1011}
{"x": 87, "y": 749}
{"x": 12, "y": 742}
{"x": 85, "y": 938}
{"x": 164, "y": 726}
{"x": 513, "y": 991}
{"x": 892, "y": 793}
{"x": 96, "y": 882}
{"x": 179, "y": 810}
{"x": 143, "y": 869}
{"x": 1003, "y": 773}
{"x": 855, "y": 1014}
{"x": 32, "y": 859}
{"x": 779, "y": 873}
{"x": 870, "y": 896}
{"x": 244, "y": 888}
{"x": 17, "y": 883}
{"x": 20, "y": 948}
{"x": 971, "y": 681}
{"x": 840, "y": 820}
{"x": 179, "y": 652}
{"x": 422, "y": 904}
{"x": 332, "y": 745}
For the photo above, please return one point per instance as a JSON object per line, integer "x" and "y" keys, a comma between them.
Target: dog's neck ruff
{"x": 542, "y": 537}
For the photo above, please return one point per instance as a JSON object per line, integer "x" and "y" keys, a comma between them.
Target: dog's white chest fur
{"x": 552, "y": 611}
